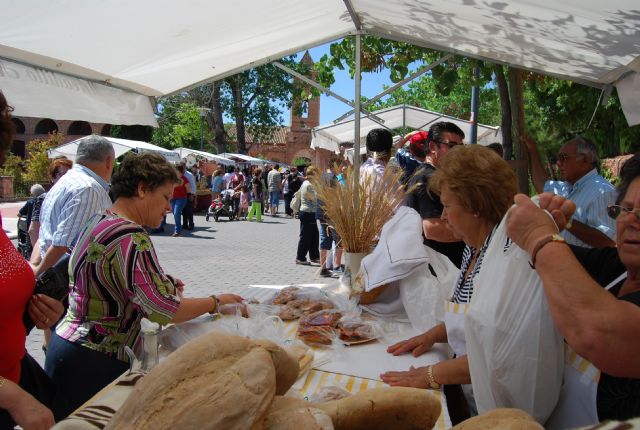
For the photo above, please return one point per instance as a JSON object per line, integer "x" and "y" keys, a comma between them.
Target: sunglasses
{"x": 449, "y": 143}
{"x": 614, "y": 211}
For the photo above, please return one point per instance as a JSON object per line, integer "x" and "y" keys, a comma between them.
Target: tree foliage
{"x": 180, "y": 124}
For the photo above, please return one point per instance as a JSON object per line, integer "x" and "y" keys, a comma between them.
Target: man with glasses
{"x": 592, "y": 194}
{"x": 442, "y": 136}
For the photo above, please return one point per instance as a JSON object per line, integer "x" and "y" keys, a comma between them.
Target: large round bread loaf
{"x": 307, "y": 418}
{"x": 500, "y": 419}
{"x": 216, "y": 381}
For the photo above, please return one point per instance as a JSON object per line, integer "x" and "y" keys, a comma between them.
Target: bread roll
{"x": 500, "y": 419}
{"x": 306, "y": 418}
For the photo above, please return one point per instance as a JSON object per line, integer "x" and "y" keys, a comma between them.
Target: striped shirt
{"x": 464, "y": 286}
{"x": 592, "y": 194}
{"x": 75, "y": 198}
{"x": 116, "y": 280}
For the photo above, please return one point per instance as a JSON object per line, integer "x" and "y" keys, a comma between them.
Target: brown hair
{"x": 148, "y": 168}
{"x": 56, "y": 164}
{"x": 483, "y": 182}
{"x": 7, "y": 128}
{"x": 218, "y": 172}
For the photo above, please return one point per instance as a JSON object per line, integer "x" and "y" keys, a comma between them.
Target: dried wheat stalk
{"x": 359, "y": 221}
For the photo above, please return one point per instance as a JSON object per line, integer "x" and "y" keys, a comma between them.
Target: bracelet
{"x": 2, "y": 381}
{"x": 216, "y": 304}
{"x": 431, "y": 381}
{"x": 541, "y": 243}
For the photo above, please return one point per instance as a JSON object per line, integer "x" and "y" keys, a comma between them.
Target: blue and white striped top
{"x": 592, "y": 194}
{"x": 75, "y": 198}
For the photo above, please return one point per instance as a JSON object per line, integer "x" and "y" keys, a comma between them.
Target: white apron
{"x": 577, "y": 406}
{"x": 454, "y": 316}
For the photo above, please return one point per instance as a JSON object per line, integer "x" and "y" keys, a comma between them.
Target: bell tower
{"x": 310, "y": 118}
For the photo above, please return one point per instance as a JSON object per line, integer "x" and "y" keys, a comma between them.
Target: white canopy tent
{"x": 121, "y": 146}
{"x": 588, "y": 41}
{"x": 242, "y": 158}
{"x": 330, "y": 136}
{"x": 184, "y": 152}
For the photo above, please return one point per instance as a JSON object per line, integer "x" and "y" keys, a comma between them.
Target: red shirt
{"x": 16, "y": 286}
{"x": 180, "y": 191}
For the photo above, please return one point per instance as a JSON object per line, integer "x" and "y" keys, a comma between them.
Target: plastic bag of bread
{"x": 217, "y": 381}
{"x": 296, "y": 302}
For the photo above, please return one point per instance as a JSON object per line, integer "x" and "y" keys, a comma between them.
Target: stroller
{"x": 24, "y": 243}
{"x": 222, "y": 206}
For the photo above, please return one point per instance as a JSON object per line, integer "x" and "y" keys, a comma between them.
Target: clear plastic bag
{"x": 295, "y": 302}
{"x": 515, "y": 351}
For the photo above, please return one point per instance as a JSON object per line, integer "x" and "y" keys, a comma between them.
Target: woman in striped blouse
{"x": 476, "y": 188}
{"x": 116, "y": 281}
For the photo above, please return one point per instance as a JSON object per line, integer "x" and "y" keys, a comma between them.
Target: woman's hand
{"x": 417, "y": 345}
{"x": 44, "y": 310}
{"x": 26, "y": 411}
{"x": 528, "y": 223}
{"x": 415, "y": 377}
{"x": 229, "y": 303}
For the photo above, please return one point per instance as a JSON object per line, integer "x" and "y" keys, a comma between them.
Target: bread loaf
{"x": 216, "y": 381}
{"x": 307, "y": 418}
{"x": 398, "y": 408}
{"x": 500, "y": 419}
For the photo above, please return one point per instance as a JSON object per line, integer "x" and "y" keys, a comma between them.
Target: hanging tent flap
{"x": 121, "y": 146}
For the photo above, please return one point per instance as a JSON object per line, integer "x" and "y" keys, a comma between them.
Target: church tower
{"x": 302, "y": 124}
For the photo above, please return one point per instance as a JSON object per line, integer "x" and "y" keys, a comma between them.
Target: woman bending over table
{"x": 476, "y": 188}
{"x": 116, "y": 280}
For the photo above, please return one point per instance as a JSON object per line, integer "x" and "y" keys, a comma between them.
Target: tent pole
{"x": 356, "y": 142}
{"x": 475, "y": 96}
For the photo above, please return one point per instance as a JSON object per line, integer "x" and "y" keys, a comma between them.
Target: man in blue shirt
{"x": 410, "y": 159}
{"x": 577, "y": 163}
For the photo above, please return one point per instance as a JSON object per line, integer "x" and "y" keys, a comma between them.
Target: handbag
{"x": 296, "y": 202}
{"x": 53, "y": 282}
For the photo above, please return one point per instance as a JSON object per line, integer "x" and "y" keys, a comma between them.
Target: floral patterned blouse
{"x": 116, "y": 280}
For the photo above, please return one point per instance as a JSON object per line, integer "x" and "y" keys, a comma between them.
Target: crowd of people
{"x": 582, "y": 236}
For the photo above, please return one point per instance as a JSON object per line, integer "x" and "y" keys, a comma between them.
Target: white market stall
{"x": 121, "y": 146}
{"x": 244, "y": 159}
{"x": 329, "y": 136}
{"x": 185, "y": 152}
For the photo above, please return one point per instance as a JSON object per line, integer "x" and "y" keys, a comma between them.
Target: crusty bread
{"x": 500, "y": 419}
{"x": 216, "y": 381}
{"x": 286, "y": 365}
{"x": 307, "y": 418}
{"x": 398, "y": 408}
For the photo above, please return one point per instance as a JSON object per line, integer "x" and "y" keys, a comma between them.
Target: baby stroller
{"x": 222, "y": 206}
{"x": 24, "y": 243}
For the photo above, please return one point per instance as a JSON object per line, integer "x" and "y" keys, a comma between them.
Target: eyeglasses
{"x": 449, "y": 143}
{"x": 614, "y": 211}
{"x": 564, "y": 157}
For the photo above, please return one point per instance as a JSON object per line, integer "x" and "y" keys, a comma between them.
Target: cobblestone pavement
{"x": 226, "y": 256}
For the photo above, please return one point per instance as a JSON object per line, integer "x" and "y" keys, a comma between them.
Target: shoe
{"x": 303, "y": 262}
{"x": 326, "y": 273}
{"x": 315, "y": 260}
{"x": 338, "y": 272}
{"x": 175, "y": 235}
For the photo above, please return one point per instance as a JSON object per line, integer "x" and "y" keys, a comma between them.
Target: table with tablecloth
{"x": 353, "y": 369}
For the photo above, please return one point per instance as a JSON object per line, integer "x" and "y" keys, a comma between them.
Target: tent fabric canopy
{"x": 331, "y": 135}
{"x": 184, "y": 152}
{"x": 244, "y": 158}
{"x": 121, "y": 146}
{"x": 589, "y": 41}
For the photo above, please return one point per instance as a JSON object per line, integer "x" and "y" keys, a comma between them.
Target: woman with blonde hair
{"x": 309, "y": 242}
{"x": 476, "y": 188}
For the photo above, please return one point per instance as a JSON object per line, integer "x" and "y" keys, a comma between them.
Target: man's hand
{"x": 44, "y": 310}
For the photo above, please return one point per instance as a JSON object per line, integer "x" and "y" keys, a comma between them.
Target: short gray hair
{"x": 94, "y": 149}
{"x": 587, "y": 149}
{"x": 36, "y": 190}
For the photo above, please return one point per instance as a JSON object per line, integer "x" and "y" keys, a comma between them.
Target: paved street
{"x": 220, "y": 257}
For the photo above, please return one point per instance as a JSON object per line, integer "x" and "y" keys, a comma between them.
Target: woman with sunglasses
{"x": 600, "y": 325}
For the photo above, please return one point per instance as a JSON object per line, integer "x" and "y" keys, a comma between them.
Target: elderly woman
{"x": 309, "y": 241}
{"x": 116, "y": 280}
{"x": 600, "y": 326}
{"x": 476, "y": 188}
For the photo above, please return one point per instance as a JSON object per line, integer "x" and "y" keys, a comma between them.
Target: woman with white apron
{"x": 476, "y": 188}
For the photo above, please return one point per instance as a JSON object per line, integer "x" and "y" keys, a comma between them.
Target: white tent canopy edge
{"x": 184, "y": 152}
{"x": 121, "y": 146}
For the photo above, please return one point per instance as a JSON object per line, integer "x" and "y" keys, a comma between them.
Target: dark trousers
{"x": 309, "y": 241}
{"x": 287, "y": 204}
{"x": 187, "y": 213}
{"x": 79, "y": 372}
{"x": 35, "y": 382}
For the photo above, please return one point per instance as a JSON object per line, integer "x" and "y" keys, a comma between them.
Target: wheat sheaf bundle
{"x": 359, "y": 221}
